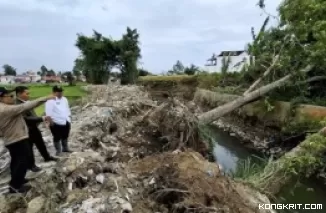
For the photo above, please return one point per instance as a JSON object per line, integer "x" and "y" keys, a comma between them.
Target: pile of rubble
{"x": 128, "y": 158}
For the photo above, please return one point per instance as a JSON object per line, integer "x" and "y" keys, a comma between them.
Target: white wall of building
{"x": 7, "y": 79}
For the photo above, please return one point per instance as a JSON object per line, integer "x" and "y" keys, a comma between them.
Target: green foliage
{"x": 78, "y": 68}
{"x": 299, "y": 39}
{"x": 179, "y": 69}
{"x": 205, "y": 134}
{"x": 9, "y": 70}
{"x": 100, "y": 54}
{"x": 310, "y": 157}
{"x": 269, "y": 106}
{"x": 226, "y": 61}
{"x": 246, "y": 168}
{"x": 191, "y": 70}
{"x": 307, "y": 21}
{"x": 69, "y": 77}
{"x": 43, "y": 70}
{"x": 143, "y": 72}
{"x": 208, "y": 81}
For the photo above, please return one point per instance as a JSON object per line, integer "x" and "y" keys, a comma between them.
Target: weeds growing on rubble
{"x": 249, "y": 167}
{"x": 206, "y": 135}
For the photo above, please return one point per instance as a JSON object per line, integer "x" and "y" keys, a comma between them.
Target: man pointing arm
{"x": 35, "y": 136}
{"x": 14, "y": 130}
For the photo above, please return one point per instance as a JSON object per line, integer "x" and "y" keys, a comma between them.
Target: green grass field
{"x": 72, "y": 93}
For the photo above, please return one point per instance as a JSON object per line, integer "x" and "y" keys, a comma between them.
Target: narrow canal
{"x": 228, "y": 152}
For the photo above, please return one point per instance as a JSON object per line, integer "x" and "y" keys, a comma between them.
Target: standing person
{"x": 35, "y": 136}
{"x": 14, "y": 130}
{"x": 59, "y": 111}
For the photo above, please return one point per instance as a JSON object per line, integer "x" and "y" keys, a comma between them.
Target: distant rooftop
{"x": 231, "y": 53}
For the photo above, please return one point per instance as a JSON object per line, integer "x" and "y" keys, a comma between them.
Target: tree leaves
{"x": 9, "y": 70}
{"x": 100, "y": 54}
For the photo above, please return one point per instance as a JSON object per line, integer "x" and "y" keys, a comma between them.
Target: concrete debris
{"x": 100, "y": 178}
{"x": 36, "y": 205}
{"x": 115, "y": 132}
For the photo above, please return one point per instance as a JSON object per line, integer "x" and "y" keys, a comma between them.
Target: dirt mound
{"x": 175, "y": 125}
{"x": 186, "y": 182}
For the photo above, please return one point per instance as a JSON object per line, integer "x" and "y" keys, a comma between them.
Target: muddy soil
{"x": 132, "y": 155}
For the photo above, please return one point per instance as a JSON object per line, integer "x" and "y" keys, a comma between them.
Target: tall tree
{"x": 9, "y": 70}
{"x": 43, "y": 70}
{"x": 130, "y": 54}
{"x": 69, "y": 77}
{"x": 191, "y": 70}
{"x": 143, "y": 72}
{"x": 177, "y": 69}
{"x": 100, "y": 54}
{"x": 50, "y": 72}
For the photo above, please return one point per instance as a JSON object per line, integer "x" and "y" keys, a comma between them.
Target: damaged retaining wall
{"x": 183, "y": 88}
{"x": 279, "y": 113}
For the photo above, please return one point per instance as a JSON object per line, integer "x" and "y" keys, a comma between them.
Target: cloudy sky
{"x": 36, "y": 32}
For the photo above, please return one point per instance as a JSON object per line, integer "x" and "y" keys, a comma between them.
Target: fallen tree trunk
{"x": 301, "y": 161}
{"x": 220, "y": 111}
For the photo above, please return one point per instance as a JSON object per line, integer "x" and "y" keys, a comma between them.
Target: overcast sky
{"x": 36, "y": 32}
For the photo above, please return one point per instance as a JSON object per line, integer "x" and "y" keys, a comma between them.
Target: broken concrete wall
{"x": 279, "y": 111}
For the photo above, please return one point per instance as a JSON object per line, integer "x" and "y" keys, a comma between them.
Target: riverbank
{"x": 239, "y": 162}
{"x": 252, "y": 133}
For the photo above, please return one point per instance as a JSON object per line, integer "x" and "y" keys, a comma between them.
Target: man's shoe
{"x": 25, "y": 181}
{"x": 67, "y": 151}
{"x": 23, "y": 189}
{"x": 51, "y": 158}
{"x": 36, "y": 169}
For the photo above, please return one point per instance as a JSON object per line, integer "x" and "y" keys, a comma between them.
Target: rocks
{"x": 248, "y": 138}
{"x": 126, "y": 207}
{"x": 100, "y": 178}
{"x": 36, "y": 205}
{"x": 92, "y": 205}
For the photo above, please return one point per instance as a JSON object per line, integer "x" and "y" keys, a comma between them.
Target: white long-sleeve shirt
{"x": 58, "y": 110}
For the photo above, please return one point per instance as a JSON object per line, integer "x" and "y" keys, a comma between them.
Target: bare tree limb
{"x": 255, "y": 84}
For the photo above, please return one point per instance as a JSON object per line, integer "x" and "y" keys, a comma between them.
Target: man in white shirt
{"x": 60, "y": 114}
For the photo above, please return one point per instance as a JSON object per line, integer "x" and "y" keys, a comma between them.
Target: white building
{"x": 237, "y": 60}
{"x": 7, "y": 79}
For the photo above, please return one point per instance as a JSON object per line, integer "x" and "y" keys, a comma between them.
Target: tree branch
{"x": 220, "y": 111}
{"x": 255, "y": 84}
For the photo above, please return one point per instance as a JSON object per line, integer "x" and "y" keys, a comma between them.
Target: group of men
{"x": 19, "y": 129}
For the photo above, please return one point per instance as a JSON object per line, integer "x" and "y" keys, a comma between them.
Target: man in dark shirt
{"x": 35, "y": 136}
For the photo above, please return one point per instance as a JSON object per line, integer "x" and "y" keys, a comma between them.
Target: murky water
{"x": 228, "y": 151}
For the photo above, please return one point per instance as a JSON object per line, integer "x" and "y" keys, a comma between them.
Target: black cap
{"x": 4, "y": 91}
{"x": 57, "y": 89}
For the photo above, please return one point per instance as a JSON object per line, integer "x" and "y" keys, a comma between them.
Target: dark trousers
{"x": 35, "y": 137}
{"x": 60, "y": 135}
{"x": 19, "y": 153}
